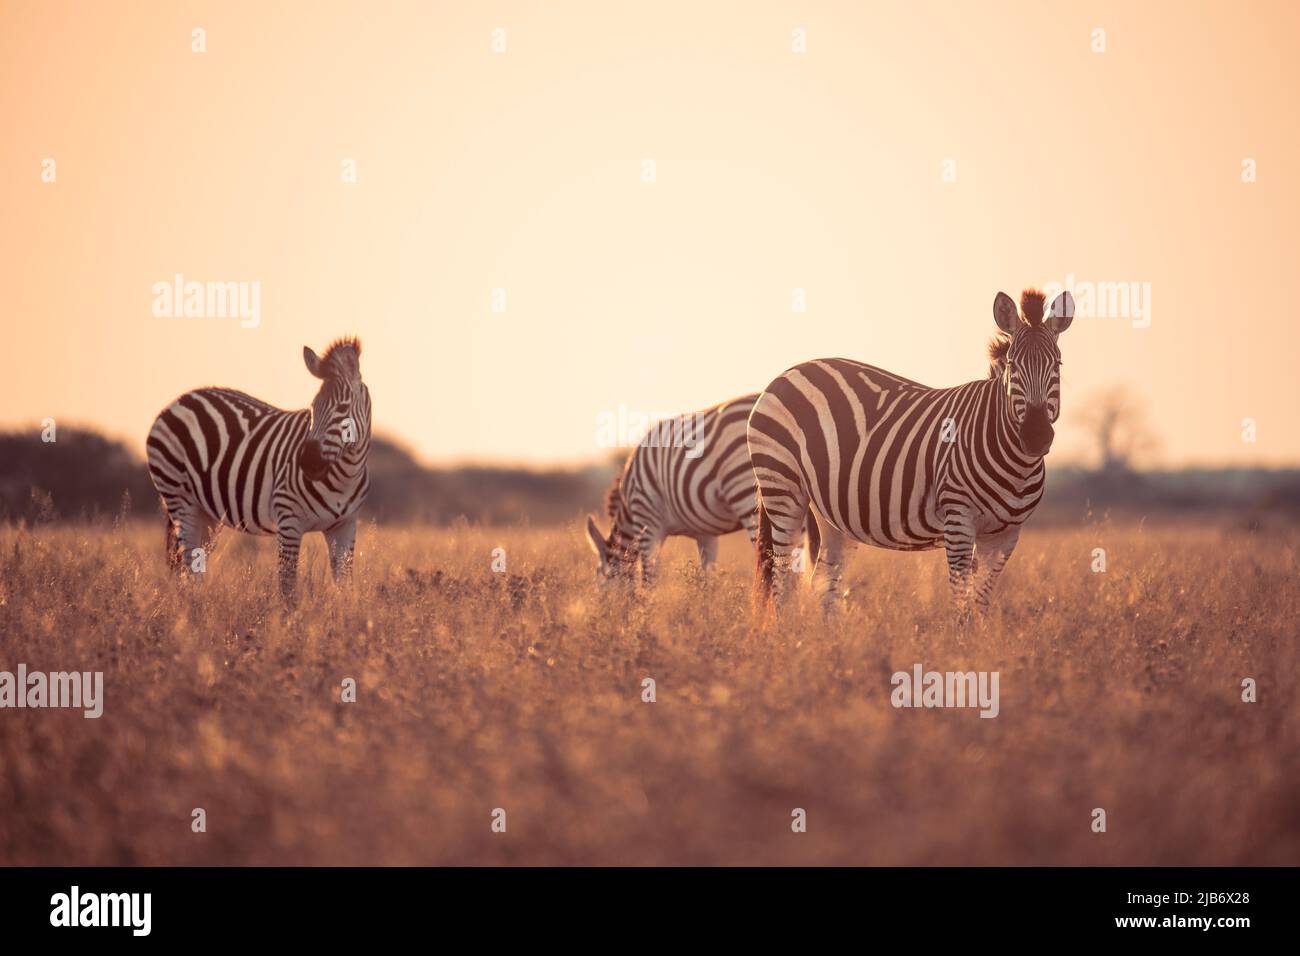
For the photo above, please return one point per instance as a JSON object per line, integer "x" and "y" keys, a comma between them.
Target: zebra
{"x": 690, "y": 476}
{"x": 890, "y": 462}
{"x": 219, "y": 457}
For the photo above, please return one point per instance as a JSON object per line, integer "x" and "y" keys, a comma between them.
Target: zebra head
{"x": 1029, "y": 363}
{"x": 340, "y": 412}
{"x": 616, "y": 551}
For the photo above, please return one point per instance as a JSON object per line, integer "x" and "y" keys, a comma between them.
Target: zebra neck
{"x": 349, "y": 467}
{"x": 1021, "y": 466}
{"x": 624, "y": 527}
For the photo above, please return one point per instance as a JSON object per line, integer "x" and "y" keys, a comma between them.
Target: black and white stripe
{"x": 692, "y": 477}
{"x": 219, "y": 458}
{"x": 886, "y": 461}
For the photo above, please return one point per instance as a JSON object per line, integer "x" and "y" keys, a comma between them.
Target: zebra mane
{"x": 1031, "y": 307}
{"x": 614, "y": 497}
{"x": 999, "y": 345}
{"x": 343, "y": 354}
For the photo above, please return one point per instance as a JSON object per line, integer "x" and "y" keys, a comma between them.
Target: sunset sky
{"x": 912, "y": 162}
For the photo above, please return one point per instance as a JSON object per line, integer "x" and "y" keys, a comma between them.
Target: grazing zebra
{"x": 691, "y": 476}
{"x": 890, "y": 462}
{"x": 220, "y": 457}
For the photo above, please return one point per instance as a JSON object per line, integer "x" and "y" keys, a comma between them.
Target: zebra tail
{"x": 814, "y": 538}
{"x": 765, "y": 570}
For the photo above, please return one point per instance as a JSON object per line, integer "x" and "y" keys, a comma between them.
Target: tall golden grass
{"x": 522, "y": 690}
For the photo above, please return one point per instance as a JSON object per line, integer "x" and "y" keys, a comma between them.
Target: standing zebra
{"x": 890, "y": 462}
{"x": 691, "y": 476}
{"x": 220, "y": 457}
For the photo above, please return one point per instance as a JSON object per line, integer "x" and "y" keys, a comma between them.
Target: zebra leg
{"x": 994, "y": 550}
{"x": 171, "y": 546}
{"x": 828, "y": 571}
{"x": 959, "y": 543}
{"x": 175, "y": 546}
{"x": 648, "y": 547}
{"x": 177, "y": 511}
{"x": 289, "y": 539}
{"x": 341, "y": 542}
{"x": 781, "y": 520}
{"x": 190, "y": 540}
{"x": 708, "y": 547}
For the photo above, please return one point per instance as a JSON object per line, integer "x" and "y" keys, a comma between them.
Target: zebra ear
{"x": 595, "y": 538}
{"x": 1061, "y": 314}
{"x": 313, "y": 362}
{"x": 1005, "y": 313}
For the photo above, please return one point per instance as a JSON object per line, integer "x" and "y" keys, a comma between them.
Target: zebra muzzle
{"x": 1036, "y": 432}
{"x": 310, "y": 460}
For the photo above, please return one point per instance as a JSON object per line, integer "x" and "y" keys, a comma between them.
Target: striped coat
{"x": 691, "y": 477}
{"x": 219, "y": 458}
{"x": 887, "y": 461}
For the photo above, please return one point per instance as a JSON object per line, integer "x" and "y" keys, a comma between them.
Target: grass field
{"x": 522, "y": 690}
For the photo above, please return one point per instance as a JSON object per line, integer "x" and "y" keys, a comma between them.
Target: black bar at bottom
{"x": 214, "y": 905}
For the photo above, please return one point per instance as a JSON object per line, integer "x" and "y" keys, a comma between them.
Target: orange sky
{"x": 522, "y": 170}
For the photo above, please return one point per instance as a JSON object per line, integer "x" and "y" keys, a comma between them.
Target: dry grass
{"x": 481, "y": 690}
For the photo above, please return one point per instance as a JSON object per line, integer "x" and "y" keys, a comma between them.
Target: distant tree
{"x": 1117, "y": 422}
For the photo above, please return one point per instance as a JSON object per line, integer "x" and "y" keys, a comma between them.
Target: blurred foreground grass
{"x": 522, "y": 690}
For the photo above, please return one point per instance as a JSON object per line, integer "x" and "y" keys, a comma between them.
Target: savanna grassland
{"x": 522, "y": 690}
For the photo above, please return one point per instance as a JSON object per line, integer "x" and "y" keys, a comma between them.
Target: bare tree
{"x": 1118, "y": 424}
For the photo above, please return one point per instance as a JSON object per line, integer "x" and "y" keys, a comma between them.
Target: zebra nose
{"x": 1036, "y": 432}
{"x": 309, "y": 458}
